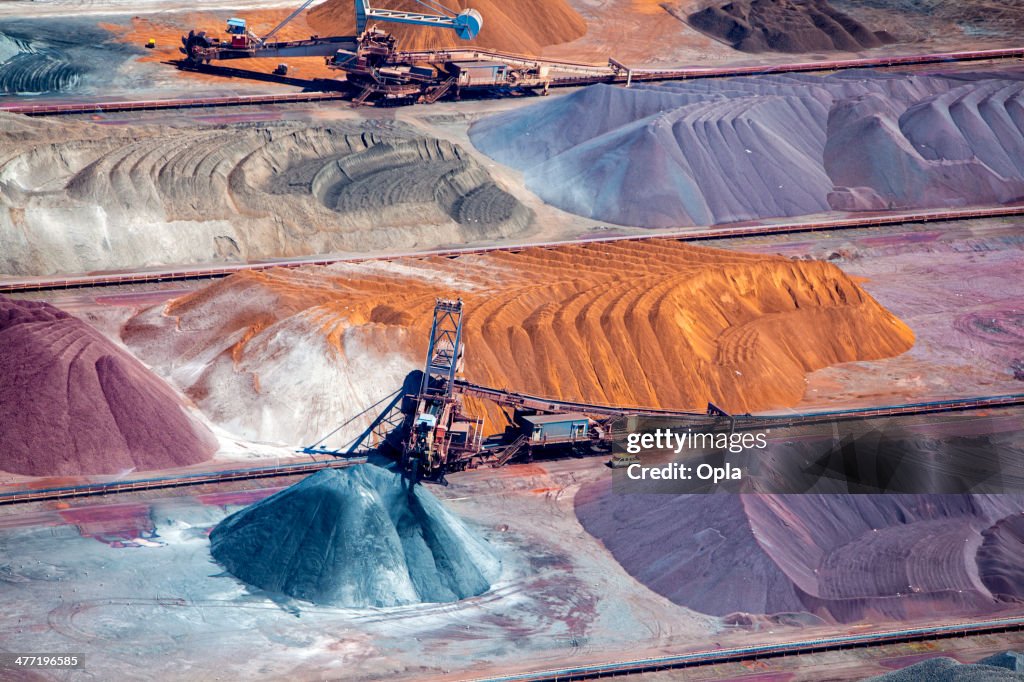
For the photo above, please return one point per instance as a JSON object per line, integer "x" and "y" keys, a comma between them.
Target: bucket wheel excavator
{"x": 367, "y": 59}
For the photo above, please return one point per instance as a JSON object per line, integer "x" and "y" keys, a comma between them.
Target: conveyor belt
{"x": 15, "y": 284}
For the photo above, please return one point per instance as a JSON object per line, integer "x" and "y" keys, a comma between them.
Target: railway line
{"x": 502, "y": 397}
{"x": 110, "y": 488}
{"x": 14, "y": 285}
{"x": 569, "y": 74}
{"x": 100, "y": 107}
{"x": 559, "y": 74}
{"x": 766, "y": 651}
{"x": 522, "y": 400}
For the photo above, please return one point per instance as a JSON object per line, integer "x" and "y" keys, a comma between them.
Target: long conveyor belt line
{"x": 766, "y": 651}
{"x": 505, "y": 398}
{"x": 13, "y": 284}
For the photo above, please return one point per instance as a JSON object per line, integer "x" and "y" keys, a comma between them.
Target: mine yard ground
{"x": 128, "y": 581}
{"x": 263, "y": 362}
{"x": 127, "y": 578}
{"x": 101, "y": 41}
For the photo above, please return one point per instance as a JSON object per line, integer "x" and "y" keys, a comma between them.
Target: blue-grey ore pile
{"x": 355, "y": 537}
{"x": 712, "y": 151}
{"x": 1004, "y": 667}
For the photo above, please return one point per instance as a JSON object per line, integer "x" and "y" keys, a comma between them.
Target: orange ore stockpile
{"x": 654, "y": 323}
{"x": 522, "y": 27}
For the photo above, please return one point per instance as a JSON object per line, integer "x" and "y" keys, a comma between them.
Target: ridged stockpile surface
{"x": 81, "y": 197}
{"x": 56, "y": 54}
{"x": 843, "y": 558}
{"x": 74, "y": 403}
{"x": 977, "y": 19}
{"x": 1001, "y": 557}
{"x": 785, "y": 26}
{"x": 24, "y": 68}
{"x": 713, "y": 151}
{"x": 355, "y": 537}
{"x": 523, "y": 28}
{"x": 285, "y": 355}
{"x": 1005, "y": 667}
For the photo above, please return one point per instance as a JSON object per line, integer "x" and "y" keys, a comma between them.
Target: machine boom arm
{"x": 466, "y": 23}
{"x": 299, "y": 10}
{"x": 243, "y": 44}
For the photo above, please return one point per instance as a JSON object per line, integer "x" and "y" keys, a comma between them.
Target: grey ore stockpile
{"x": 355, "y": 537}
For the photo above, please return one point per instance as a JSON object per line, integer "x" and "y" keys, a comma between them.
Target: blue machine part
{"x": 236, "y": 26}
{"x": 468, "y": 24}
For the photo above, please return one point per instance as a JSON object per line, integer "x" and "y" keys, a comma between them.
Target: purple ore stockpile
{"x": 842, "y": 558}
{"x": 355, "y": 537}
{"x": 705, "y": 152}
{"x": 75, "y": 403}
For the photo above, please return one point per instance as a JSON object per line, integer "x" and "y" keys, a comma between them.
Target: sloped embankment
{"x": 843, "y": 558}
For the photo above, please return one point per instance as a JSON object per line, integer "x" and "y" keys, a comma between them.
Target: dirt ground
{"x": 129, "y": 583}
{"x": 652, "y": 323}
{"x": 636, "y": 32}
{"x": 133, "y": 587}
{"x": 167, "y": 28}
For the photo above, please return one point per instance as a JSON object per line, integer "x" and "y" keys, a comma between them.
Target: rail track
{"x": 67, "y": 108}
{"x": 13, "y": 285}
{"x": 750, "y": 653}
{"x": 580, "y": 73}
{"x": 109, "y": 488}
{"x": 503, "y": 397}
{"x": 523, "y": 400}
{"x": 574, "y": 74}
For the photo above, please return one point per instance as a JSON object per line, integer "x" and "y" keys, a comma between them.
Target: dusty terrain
{"x": 653, "y": 323}
{"x": 93, "y": 48}
{"x": 713, "y": 151}
{"x": 1000, "y": 556}
{"x": 975, "y": 19}
{"x": 60, "y": 55}
{"x": 1003, "y": 667}
{"x": 286, "y": 356}
{"x": 132, "y": 584}
{"x": 167, "y": 28}
{"x": 75, "y": 403}
{"x": 140, "y": 196}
